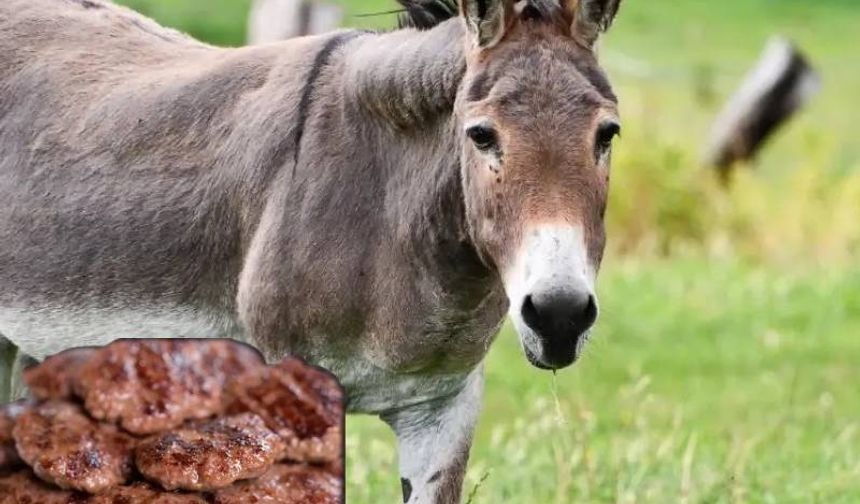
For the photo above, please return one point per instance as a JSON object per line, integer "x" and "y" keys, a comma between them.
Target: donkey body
{"x": 316, "y": 197}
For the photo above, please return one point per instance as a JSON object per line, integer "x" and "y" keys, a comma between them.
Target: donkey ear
{"x": 486, "y": 20}
{"x": 593, "y": 17}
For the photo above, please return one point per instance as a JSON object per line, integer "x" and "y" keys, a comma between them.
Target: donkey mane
{"x": 425, "y": 14}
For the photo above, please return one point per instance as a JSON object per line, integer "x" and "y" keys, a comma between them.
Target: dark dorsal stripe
{"x": 87, "y": 4}
{"x": 425, "y": 14}
{"x": 320, "y": 61}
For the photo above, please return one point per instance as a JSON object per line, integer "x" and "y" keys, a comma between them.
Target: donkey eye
{"x": 484, "y": 137}
{"x": 606, "y": 132}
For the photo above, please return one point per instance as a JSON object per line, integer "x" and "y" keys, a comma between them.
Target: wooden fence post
{"x": 273, "y": 20}
{"x": 779, "y": 85}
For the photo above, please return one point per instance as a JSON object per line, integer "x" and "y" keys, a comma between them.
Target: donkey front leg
{"x": 434, "y": 440}
{"x": 12, "y": 364}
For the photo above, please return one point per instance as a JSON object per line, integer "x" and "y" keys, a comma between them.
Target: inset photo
{"x": 170, "y": 421}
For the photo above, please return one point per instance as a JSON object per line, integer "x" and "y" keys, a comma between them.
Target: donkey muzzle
{"x": 551, "y": 292}
{"x": 560, "y": 319}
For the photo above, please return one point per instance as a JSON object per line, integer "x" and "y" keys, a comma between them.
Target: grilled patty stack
{"x": 172, "y": 421}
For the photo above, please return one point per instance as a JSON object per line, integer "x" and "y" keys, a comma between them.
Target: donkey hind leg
{"x": 434, "y": 440}
{"x": 22, "y": 362}
{"x": 12, "y": 364}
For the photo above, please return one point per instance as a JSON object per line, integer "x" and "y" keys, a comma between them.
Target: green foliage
{"x": 220, "y": 22}
{"x": 673, "y": 64}
{"x": 798, "y": 202}
{"x": 664, "y": 205}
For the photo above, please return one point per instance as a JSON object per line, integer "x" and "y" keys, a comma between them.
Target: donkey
{"x": 373, "y": 202}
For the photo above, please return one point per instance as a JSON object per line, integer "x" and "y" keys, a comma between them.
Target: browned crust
{"x": 55, "y": 377}
{"x": 209, "y": 455}
{"x": 23, "y": 487}
{"x": 286, "y": 484}
{"x": 311, "y": 431}
{"x": 318, "y": 384}
{"x": 68, "y": 449}
{"x": 145, "y": 493}
{"x": 9, "y": 458}
{"x": 149, "y": 386}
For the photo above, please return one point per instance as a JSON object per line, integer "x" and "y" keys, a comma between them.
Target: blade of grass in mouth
{"x": 560, "y": 418}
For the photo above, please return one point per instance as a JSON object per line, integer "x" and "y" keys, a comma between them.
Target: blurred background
{"x": 726, "y": 363}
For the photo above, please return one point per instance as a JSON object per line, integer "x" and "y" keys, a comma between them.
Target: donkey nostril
{"x": 589, "y": 315}
{"x": 530, "y": 313}
{"x": 559, "y": 314}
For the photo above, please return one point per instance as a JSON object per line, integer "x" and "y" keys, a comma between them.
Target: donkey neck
{"x": 403, "y": 86}
{"x": 428, "y": 208}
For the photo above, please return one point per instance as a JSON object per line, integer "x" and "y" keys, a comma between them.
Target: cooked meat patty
{"x": 285, "y": 484}
{"x": 318, "y": 384}
{"x": 291, "y": 407}
{"x": 228, "y": 358}
{"x": 67, "y": 448}
{"x": 24, "y": 488}
{"x": 55, "y": 377}
{"x": 334, "y": 468}
{"x": 145, "y": 493}
{"x": 9, "y": 458}
{"x": 153, "y": 385}
{"x": 286, "y": 411}
{"x": 209, "y": 455}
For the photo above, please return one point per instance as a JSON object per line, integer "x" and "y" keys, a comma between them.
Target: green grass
{"x": 726, "y": 366}
{"x": 704, "y": 383}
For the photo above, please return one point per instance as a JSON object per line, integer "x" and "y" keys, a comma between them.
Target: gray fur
{"x": 154, "y": 185}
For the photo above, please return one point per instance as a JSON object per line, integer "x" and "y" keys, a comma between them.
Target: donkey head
{"x": 538, "y": 119}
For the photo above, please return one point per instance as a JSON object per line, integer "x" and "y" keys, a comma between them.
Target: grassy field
{"x": 705, "y": 383}
{"x": 726, "y": 366}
